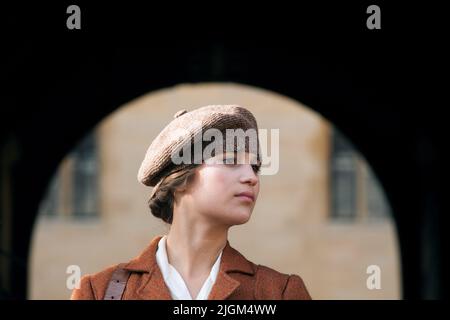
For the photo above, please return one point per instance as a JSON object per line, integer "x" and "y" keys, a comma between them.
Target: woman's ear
{"x": 180, "y": 189}
{"x": 177, "y": 193}
{"x": 186, "y": 185}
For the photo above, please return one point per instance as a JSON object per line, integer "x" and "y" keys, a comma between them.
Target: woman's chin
{"x": 241, "y": 217}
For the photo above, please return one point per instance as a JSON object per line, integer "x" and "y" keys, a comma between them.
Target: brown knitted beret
{"x": 182, "y": 130}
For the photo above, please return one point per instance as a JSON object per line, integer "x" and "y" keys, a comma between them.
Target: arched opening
{"x": 51, "y": 115}
{"x": 323, "y": 215}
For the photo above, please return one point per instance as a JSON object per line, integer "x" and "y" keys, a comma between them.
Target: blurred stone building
{"x": 324, "y": 215}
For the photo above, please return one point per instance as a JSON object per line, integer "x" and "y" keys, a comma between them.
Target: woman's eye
{"x": 256, "y": 168}
{"x": 230, "y": 161}
{"x": 233, "y": 161}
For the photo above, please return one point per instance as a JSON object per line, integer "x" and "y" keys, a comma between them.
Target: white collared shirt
{"x": 175, "y": 282}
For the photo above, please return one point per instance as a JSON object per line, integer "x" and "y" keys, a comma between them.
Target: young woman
{"x": 200, "y": 201}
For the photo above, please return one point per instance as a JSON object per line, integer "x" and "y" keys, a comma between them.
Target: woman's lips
{"x": 246, "y": 196}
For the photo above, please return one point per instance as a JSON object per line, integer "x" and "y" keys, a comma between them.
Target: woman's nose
{"x": 249, "y": 176}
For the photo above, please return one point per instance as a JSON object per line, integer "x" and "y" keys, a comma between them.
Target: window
{"x": 355, "y": 192}
{"x": 50, "y": 205}
{"x": 73, "y": 191}
{"x": 85, "y": 179}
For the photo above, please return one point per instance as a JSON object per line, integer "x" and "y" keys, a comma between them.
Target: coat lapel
{"x": 231, "y": 262}
{"x": 153, "y": 287}
{"x": 224, "y": 287}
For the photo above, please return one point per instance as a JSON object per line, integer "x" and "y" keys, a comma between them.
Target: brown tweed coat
{"x": 238, "y": 279}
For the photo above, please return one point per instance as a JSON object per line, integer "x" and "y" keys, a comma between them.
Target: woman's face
{"x": 216, "y": 190}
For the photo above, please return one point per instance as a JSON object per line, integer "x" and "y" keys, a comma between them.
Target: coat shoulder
{"x": 272, "y": 284}
{"x": 93, "y": 286}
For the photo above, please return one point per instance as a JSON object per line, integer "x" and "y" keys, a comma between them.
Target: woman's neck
{"x": 192, "y": 250}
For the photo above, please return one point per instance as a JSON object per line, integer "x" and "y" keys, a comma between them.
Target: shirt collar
{"x": 163, "y": 262}
{"x": 173, "y": 279}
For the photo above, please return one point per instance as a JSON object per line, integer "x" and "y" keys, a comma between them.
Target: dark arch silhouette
{"x": 54, "y": 96}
